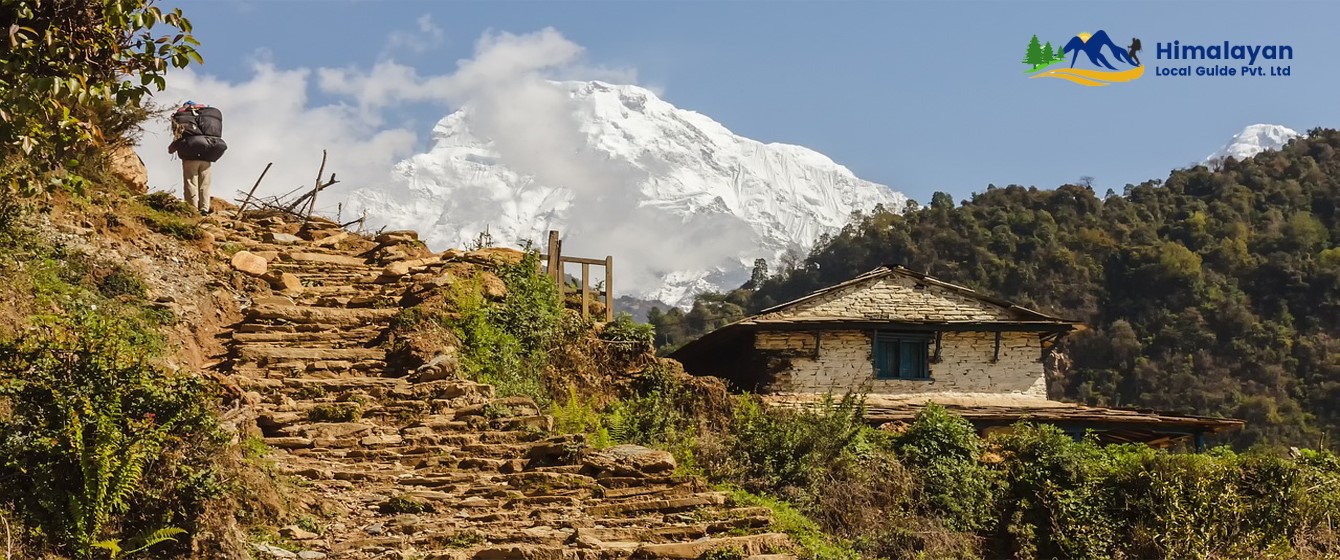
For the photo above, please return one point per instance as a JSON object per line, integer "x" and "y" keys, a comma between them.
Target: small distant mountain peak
{"x": 1253, "y": 140}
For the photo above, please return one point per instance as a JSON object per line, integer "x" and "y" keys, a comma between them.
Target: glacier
{"x": 681, "y": 203}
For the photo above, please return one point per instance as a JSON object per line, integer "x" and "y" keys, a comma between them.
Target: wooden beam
{"x": 582, "y": 260}
{"x": 586, "y": 288}
{"x": 936, "y": 358}
{"x": 996, "y": 357}
{"x": 609, "y": 288}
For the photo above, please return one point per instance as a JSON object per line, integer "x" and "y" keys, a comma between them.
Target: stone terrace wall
{"x": 896, "y": 297}
{"x": 844, "y": 363}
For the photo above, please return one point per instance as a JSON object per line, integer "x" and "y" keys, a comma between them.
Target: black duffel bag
{"x": 205, "y": 121}
{"x": 201, "y": 148}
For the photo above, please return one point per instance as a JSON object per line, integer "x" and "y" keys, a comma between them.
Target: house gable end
{"x": 894, "y": 297}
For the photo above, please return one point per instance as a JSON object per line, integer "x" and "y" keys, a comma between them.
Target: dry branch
{"x": 252, "y": 192}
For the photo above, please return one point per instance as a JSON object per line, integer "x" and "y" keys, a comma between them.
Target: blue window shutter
{"x": 881, "y": 356}
{"x": 900, "y": 355}
{"x": 908, "y": 366}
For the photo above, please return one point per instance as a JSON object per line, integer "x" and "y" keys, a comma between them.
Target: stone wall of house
{"x": 843, "y": 363}
{"x": 896, "y": 297}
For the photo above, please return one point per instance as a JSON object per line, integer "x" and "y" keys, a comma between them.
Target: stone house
{"x": 903, "y": 338}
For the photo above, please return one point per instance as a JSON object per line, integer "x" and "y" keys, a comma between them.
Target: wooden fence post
{"x": 553, "y": 255}
{"x": 559, "y": 275}
{"x": 609, "y": 288}
{"x": 586, "y": 291}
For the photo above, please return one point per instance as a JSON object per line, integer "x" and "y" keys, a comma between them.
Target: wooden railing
{"x": 555, "y": 264}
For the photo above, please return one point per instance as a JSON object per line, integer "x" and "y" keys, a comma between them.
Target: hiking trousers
{"x": 195, "y": 179}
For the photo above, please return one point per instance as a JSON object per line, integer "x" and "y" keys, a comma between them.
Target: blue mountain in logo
{"x": 1094, "y": 48}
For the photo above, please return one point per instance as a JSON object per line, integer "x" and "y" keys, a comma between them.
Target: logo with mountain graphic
{"x": 1103, "y": 62}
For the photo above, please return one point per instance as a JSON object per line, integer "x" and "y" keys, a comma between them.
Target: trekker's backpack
{"x": 201, "y": 133}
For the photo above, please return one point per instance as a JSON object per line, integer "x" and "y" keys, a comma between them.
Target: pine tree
{"x": 1047, "y": 53}
{"x": 1060, "y": 53}
{"x": 1035, "y": 57}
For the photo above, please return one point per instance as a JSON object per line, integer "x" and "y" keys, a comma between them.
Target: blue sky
{"x": 920, "y": 96}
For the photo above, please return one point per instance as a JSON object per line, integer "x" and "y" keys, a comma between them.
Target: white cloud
{"x": 272, "y": 117}
{"x": 425, "y": 37}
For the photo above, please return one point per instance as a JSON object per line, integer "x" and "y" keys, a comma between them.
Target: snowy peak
{"x": 1253, "y": 140}
{"x": 683, "y": 204}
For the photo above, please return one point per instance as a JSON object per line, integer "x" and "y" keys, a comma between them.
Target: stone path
{"x": 441, "y": 469}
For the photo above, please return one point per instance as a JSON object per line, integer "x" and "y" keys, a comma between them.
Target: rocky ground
{"x": 428, "y": 465}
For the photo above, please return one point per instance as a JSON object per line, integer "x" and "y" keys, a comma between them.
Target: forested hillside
{"x": 1213, "y": 292}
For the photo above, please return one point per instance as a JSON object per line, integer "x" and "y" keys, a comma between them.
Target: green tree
{"x": 71, "y": 66}
{"x": 759, "y": 273}
{"x": 1034, "y": 56}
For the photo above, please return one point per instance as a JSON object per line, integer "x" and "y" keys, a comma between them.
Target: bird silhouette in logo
{"x": 1134, "y": 48}
{"x": 1092, "y": 45}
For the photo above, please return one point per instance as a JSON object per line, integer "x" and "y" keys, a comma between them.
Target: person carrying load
{"x": 197, "y": 132}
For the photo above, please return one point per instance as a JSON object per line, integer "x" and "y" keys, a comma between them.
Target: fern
{"x": 166, "y": 534}
{"x": 113, "y": 546}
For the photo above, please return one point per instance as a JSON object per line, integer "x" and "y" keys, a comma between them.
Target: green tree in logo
{"x": 1052, "y": 55}
{"x": 1035, "y": 56}
{"x": 1040, "y": 56}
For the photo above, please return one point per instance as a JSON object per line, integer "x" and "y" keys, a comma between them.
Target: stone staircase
{"x": 441, "y": 469}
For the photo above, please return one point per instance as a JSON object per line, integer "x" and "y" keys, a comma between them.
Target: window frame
{"x": 894, "y": 341}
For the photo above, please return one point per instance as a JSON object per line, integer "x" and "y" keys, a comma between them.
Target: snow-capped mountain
{"x": 682, "y": 204}
{"x": 1253, "y": 140}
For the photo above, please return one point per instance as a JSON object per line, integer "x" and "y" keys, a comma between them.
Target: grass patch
{"x": 254, "y": 448}
{"x": 464, "y": 539}
{"x": 335, "y": 413}
{"x": 309, "y": 524}
{"x": 165, "y": 214}
{"x": 405, "y": 504}
{"x": 813, "y": 542}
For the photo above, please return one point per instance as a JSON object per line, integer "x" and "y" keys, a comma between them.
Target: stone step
{"x": 335, "y": 258}
{"x": 665, "y": 506}
{"x": 763, "y": 543}
{"x": 330, "y": 385}
{"x": 676, "y": 533}
{"x": 328, "y": 316}
{"x": 360, "y": 301}
{"x": 348, "y": 337}
{"x": 357, "y": 289}
{"x": 322, "y": 279}
{"x": 267, "y": 353}
{"x": 325, "y": 369}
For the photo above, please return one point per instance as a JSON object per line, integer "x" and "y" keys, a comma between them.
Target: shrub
{"x": 628, "y": 339}
{"x": 506, "y": 344}
{"x": 122, "y": 281}
{"x": 944, "y": 450}
{"x": 1057, "y": 501}
{"x": 92, "y": 422}
{"x": 787, "y": 451}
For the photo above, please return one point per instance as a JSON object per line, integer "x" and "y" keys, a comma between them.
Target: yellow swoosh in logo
{"x": 1086, "y": 77}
